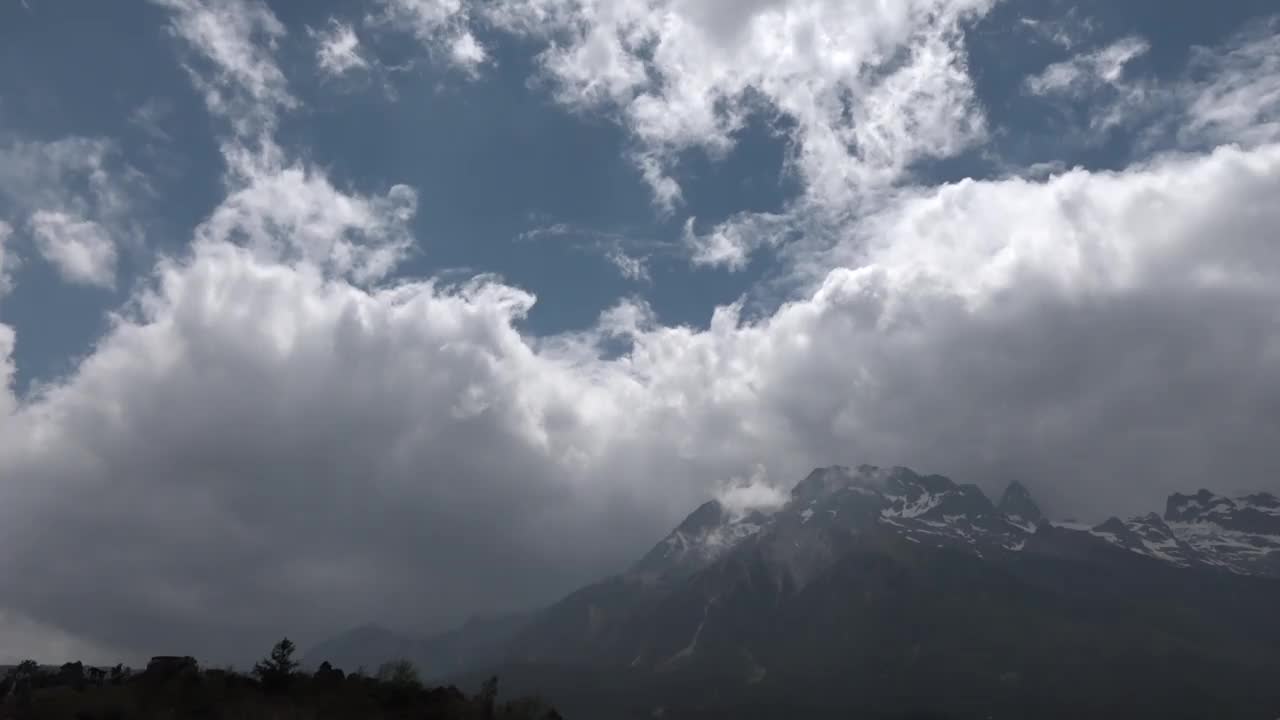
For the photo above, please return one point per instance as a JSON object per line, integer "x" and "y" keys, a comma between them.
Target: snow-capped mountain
{"x": 1241, "y": 535}
{"x": 928, "y": 509}
{"x": 879, "y": 584}
{"x": 1237, "y": 534}
{"x": 869, "y": 574}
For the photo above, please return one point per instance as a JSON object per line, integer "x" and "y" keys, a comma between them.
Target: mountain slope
{"x": 879, "y": 589}
{"x": 876, "y": 590}
{"x": 481, "y": 640}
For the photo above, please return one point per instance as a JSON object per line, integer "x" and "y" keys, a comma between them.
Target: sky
{"x": 315, "y": 314}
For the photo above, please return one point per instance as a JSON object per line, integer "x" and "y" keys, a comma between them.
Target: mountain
{"x": 875, "y": 591}
{"x": 480, "y": 640}
{"x": 1016, "y": 505}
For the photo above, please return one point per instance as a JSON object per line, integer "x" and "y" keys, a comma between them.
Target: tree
{"x": 24, "y": 676}
{"x": 400, "y": 673}
{"x": 71, "y": 674}
{"x": 26, "y": 669}
{"x": 277, "y": 669}
{"x": 488, "y": 696}
{"x": 327, "y": 676}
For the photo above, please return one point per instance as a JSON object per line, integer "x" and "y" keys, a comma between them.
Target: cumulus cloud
{"x": 294, "y": 212}
{"x": 81, "y": 250}
{"x": 868, "y": 87}
{"x": 258, "y": 432}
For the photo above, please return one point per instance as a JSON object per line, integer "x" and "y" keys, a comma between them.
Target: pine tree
{"x": 277, "y": 669}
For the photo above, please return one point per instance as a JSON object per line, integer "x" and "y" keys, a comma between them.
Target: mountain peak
{"x": 1017, "y": 505}
{"x": 824, "y": 481}
{"x": 704, "y": 535}
{"x": 1258, "y": 513}
{"x": 1201, "y": 506}
{"x": 708, "y": 515}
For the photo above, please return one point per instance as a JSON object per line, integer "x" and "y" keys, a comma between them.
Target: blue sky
{"x": 261, "y": 255}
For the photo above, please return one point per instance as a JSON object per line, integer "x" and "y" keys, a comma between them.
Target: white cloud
{"x": 730, "y": 244}
{"x": 6, "y": 259}
{"x": 618, "y": 249}
{"x": 338, "y": 49}
{"x": 293, "y": 212}
{"x": 1233, "y": 94}
{"x": 1086, "y": 72}
{"x": 76, "y": 198}
{"x": 1226, "y": 94}
{"x": 7, "y": 370}
{"x": 740, "y": 496}
{"x": 81, "y": 250}
{"x": 1066, "y": 31}
{"x": 630, "y": 266}
{"x": 280, "y": 208}
{"x": 84, "y": 175}
{"x": 441, "y": 25}
{"x": 236, "y": 37}
{"x": 870, "y": 86}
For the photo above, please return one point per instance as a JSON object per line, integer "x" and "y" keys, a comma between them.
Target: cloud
{"x": 238, "y": 75}
{"x": 256, "y": 433}
{"x": 274, "y": 437}
{"x": 77, "y": 199}
{"x": 731, "y": 243}
{"x": 1228, "y": 93}
{"x": 25, "y": 639}
{"x": 1232, "y": 94}
{"x": 867, "y": 88}
{"x": 1086, "y": 72}
{"x": 443, "y": 26}
{"x": 1066, "y": 31}
{"x": 338, "y": 49}
{"x": 81, "y": 250}
{"x": 630, "y": 266}
{"x": 149, "y": 117}
{"x": 293, "y": 212}
{"x": 630, "y": 255}
{"x": 740, "y": 496}
{"x": 6, "y": 259}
